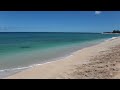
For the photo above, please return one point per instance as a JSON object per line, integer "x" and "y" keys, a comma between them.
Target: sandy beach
{"x": 100, "y": 61}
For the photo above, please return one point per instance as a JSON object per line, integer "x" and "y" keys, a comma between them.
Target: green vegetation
{"x": 114, "y": 31}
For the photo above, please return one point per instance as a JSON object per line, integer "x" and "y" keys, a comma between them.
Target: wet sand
{"x": 95, "y": 62}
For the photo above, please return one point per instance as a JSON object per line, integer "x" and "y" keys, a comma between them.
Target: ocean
{"x": 20, "y": 50}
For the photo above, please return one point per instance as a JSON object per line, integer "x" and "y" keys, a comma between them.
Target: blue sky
{"x": 59, "y": 21}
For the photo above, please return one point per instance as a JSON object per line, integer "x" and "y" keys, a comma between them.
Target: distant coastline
{"x": 109, "y": 33}
{"x": 113, "y": 32}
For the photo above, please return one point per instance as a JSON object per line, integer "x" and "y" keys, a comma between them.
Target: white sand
{"x": 63, "y": 67}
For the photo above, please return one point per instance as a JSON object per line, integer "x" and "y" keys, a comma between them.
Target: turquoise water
{"x": 16, "y": 42}
{"x": 23, "y": 49}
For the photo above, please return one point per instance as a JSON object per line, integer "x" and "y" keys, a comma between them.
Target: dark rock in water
{"x": 25, "y": 47}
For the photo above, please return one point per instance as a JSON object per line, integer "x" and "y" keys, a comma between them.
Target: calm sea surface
{"x": 26, "y": 48}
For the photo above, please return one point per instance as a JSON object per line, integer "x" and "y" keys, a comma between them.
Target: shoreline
{"x": 13, "y": 71}
{"x": 62, "y": 60}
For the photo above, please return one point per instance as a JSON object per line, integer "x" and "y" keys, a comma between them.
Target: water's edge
{"x": 8, "y": 72}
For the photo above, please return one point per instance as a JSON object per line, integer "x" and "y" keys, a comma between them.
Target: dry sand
{"x": 96, "y": 62}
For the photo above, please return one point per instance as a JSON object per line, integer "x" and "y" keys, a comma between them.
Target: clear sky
{"x": 59, "y": 21}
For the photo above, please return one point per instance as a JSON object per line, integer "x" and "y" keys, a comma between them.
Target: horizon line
{"x": 58, "y": 32}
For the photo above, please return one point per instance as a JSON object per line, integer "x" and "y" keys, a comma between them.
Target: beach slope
{"x": 100, "y": 61}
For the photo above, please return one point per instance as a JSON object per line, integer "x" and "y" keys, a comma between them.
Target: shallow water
{"x": 19, "y": 50}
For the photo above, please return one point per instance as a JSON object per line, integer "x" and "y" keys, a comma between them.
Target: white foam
{"x": 31, "y": 66}
{"x": 112, "y": 38}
